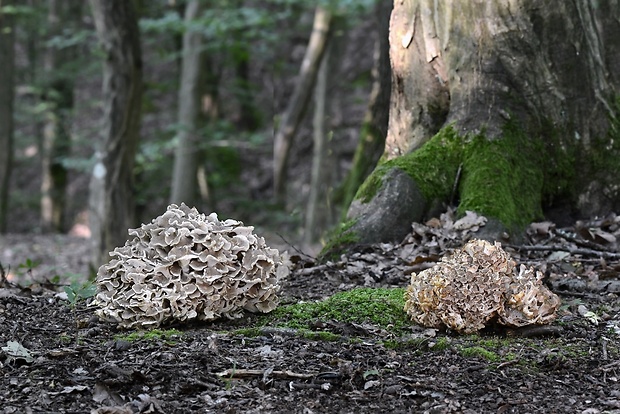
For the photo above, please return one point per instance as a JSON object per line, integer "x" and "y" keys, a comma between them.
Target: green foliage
{"x": 77, "y": 291}
{"x": 14, "y": 10}
{"x": 153, "y": 167}
{"x": 71, "y": 37}
{"x": 225, "y": 24}
{"x": 223, "y": 166}
{"x": 28, "y": 266}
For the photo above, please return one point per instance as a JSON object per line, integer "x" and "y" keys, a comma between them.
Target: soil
{"x": 55, "y": 358}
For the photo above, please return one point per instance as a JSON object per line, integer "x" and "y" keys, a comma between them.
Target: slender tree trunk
{"x": 184, "y": 182}
{"x": 111, "y": 188}
{"x": 249, "y": 118}
{"x": 319, "y": 209}
{"x": 58, "y": 95}
{"x": 374, "y": 127}
{"x": 7, "y": 91}
{"x": 298, "y": 103}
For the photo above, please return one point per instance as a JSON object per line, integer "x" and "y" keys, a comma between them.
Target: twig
{"x": 301, "y": 253}
{"x": 2, "y": 276}
{"x": 583, "y": 242}
{"x": 232, "y": 373}
{"x": 507, "y": 363}
{"x": 455, "y": 186}
{"x": 309, "y": 270}
{"x": 326, "y": 386}
{"x": 588, "y": 252}
{"x": 604, "y": 349}
{"x": 609, "y": 366}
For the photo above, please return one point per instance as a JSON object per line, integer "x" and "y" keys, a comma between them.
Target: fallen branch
{"x": 233, "y": 373}
{"x": 587, "y": 252}
{"x": 319, "y": 268}
{"x": 535, "y": 331}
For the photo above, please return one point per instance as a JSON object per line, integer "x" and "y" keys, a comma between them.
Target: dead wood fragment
{"x": 233, "y": 373}
{"x": 508, "y": 363}
{"x": 535, "y": 331}
{"x": 302, "y": 385}
{"x": 319, "y": 268}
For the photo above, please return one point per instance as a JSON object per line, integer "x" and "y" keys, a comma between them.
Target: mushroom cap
{"x": 475, "y": 285}
{"x": 186, "y": 265}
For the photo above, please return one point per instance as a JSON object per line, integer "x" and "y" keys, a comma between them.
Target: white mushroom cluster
{"x": 475, "y": 285}
{"x": 185, "y": 265}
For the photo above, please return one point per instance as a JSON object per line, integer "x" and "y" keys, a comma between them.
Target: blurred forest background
{"x": 219, "y": 80}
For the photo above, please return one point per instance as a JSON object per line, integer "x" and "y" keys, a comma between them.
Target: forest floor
{"x": 55, "y": 358}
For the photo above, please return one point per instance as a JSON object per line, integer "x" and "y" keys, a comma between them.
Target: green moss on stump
{"x": 434, "y": 167}
{"x": 508, "y": 179}
{"x": 338, "y": 240}
{"x": 503, "y": 178}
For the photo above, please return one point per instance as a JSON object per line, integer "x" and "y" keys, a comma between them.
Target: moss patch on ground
{"x": 152, "y": 335}
{"x": 479, "y": 352}
{"x": 379, "y": 307}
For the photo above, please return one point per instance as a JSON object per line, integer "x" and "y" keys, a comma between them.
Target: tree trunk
{"x": 58, "y": 95}
{"x": 184, "y": 178}
{"x": 298, "y": 103}
{"x": 111, "y": 187}
{"x": 514, "y": 104}
{"x": 249, "y": 116}
{"x": 374, "y": 127}
{"x": 7, "y": 92}
{"x": 319, "y": 208}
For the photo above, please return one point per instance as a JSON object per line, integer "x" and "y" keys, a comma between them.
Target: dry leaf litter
{"x": 186, "y": 265}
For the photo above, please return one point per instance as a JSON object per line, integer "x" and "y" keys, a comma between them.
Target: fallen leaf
{"x": 557, "y": 256}
{"x": 542, "y": 228}
{"x": 15, "y": 350}
{"x": 471, "y": 220}
{"x": 370, "y": 384}
{"x": 603, "y": 237}
{"x": 69, "y": 390}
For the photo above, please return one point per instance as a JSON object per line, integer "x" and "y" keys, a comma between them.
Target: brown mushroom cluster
{"x": 475, "y": 285}
{"x": 185, "y": 265}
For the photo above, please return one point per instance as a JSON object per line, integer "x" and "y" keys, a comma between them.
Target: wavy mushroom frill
{"x": 477, "y": 284}
{"x": 185, "y": 265}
